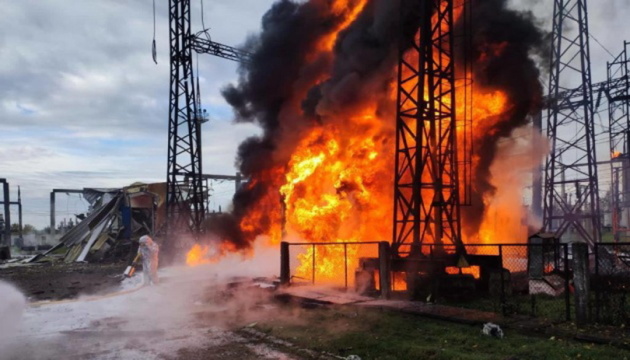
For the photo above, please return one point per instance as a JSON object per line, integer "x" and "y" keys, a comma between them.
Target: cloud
{"x": 82, "y": 103}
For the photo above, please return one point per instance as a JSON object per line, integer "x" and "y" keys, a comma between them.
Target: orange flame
{"x": 615, "y": 154}
{"x": 205, "y": 254}
{"x": 472, "y": 270}
{"x": 198, "y": 255}
{"x": 337, "y": 184}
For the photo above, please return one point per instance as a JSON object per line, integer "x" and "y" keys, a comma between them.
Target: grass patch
{"x": 375, "y": 334}
{"x": 539, "y": 306}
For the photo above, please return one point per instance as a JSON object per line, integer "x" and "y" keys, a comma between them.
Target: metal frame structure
{"x": 617, "y": 203}
{"x": 185, "y": 203}
{"x": 7, "y": 212}
{"x": 184, "y": 199}
{"x": 53, "y": 197}
{"x": 203, "y": 45}
{"x": 618, "y": 101}
{"x": 426, "y": 195}
{"x": 572, "y": 161}
{"x": 618, "y": 95}
{"x": 206, "y": 178}
{"x": 19, "y": 205}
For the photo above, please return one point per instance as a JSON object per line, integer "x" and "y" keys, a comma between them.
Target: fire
{"x": 615, "y": 154}
{"x": 399, "y": 281}
{"x": 198, "y": 255}
{"x": 335, "y": 181}
{"x": 349, "y": 10}
{"x": 332, "y": 194}
{"x": 207, "y": 254}
{"x": 472, "y": 270}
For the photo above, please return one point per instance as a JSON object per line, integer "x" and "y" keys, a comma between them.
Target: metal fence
{"x": 610, "y": 283}
{"x": 314, "y": 255}
{"x": 538, "y": 283}
{"x": 512, "y": 279}
{"x": 533, "y": 280}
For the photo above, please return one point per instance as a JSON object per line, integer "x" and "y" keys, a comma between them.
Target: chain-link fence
{"x": 516, "y": 279}
{"x": 610, "y": 283}
{"x": 511, "y": 279}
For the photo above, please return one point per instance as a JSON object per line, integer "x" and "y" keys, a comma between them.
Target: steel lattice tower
{"x": 426, "y": 195}
{"x": 618, "y": 101}
{"x": 184, "y": 195}
{"x": 571, "y": 186}
{"x": 618, "y": 94}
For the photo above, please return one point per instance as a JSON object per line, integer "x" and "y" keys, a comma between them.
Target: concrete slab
{"x": 324, "y": 295}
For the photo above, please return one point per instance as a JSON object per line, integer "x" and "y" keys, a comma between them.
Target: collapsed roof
{"x": 119, "y": 216}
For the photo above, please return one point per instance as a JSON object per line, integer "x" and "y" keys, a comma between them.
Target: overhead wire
{"x": 154, "y": 45}
{"x": 203, "y": 24}
{"x": 600, "y": 44}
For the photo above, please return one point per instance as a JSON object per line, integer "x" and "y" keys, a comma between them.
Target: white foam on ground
{"x": 134, "y": 323}
{"x": 12, "y": 305}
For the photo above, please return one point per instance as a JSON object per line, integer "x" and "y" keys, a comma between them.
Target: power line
{"x": 600, "y": 44}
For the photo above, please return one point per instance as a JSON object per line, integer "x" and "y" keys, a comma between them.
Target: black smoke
{"x": 275, "y": 88}
{"x": 512, "y": 71}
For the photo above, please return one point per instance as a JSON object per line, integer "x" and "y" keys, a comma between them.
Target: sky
{"x": 82, "y": 104}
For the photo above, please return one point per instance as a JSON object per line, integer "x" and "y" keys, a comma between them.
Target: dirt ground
{"x": 191, "y": 314}
{"x": 58, "y": 281}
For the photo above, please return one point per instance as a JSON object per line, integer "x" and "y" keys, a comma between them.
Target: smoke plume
{"x": 503, "y": 40}
{"x": 294, "y": 86}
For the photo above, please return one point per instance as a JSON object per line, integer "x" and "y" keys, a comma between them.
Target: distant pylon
{"x": 571, "y": 167}
{"x": 618, "y": 94}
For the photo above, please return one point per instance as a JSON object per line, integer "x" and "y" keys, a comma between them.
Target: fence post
{"x": 503, "y": 305}
{"x": 313, "y": 263}
{"x": 598, "y": 303}
{"x": 384, "y": 274}
{"x": 345, "y": 263}
{"x": 567, "y": 293}
{"x": 580, "y": 282}
{"x": 285, "y": 268}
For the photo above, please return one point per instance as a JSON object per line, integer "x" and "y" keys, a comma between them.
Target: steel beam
{"x": 206, "y": 46}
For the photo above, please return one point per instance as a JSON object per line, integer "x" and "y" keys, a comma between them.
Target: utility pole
{"x": 572, "y": 161}
{"x": 426, "y": 189}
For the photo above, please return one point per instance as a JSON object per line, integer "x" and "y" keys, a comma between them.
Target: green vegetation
{"x": 540, "y": 306}
{"x": 26, "y": 229}
{"x": 608, "y": 237}
{"x": 375, "y": 334}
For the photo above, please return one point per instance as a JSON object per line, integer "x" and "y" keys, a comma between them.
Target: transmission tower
{"x": 618, "y": 94}
{"x": 426, "y": 194}
{"x": 185, "y": 195}
{"x": 571, "y": 204}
